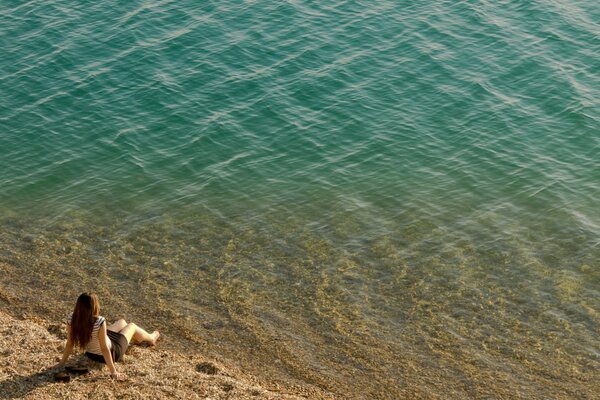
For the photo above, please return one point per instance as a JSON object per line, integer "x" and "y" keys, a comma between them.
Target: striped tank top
{"x": 93, "y": 345}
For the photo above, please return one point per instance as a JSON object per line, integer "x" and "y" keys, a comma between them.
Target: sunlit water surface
{"x": 379, "y": 199}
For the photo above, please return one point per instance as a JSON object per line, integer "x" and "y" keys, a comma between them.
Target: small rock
{"x": 213, "y": 325}
{"x": 228, "y": 387}
{"x": 207, "y": 368}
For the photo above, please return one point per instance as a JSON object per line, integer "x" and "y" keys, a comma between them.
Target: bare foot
{"x": 155, "y": 338}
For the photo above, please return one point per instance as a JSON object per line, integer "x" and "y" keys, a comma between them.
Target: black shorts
{"x": 118, "y": 347}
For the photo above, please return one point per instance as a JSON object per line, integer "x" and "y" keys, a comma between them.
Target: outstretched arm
{"x": 106, "y": 353}
{"x": 67, "y": 351}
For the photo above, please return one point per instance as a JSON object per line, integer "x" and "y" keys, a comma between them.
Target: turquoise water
{"x": 386, "y": 199}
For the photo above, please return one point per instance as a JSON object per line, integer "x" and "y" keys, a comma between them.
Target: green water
{"x": 379, "y": 200}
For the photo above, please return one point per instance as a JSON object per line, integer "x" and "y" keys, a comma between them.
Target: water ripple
{"x": 415, "y": 184}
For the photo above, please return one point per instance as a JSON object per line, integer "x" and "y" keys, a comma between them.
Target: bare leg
{"x": 117, "y": 326}
{"x": 138, "y": 335}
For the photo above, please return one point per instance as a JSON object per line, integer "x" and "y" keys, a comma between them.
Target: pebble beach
{"x": 321, "y": 199}
{"x": 30, "y": 346}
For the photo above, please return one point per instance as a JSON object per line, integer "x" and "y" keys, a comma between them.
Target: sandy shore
{"x": 29, "y": 346}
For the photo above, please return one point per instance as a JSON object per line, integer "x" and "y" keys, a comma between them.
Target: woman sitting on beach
{"x": 88, "y": 331}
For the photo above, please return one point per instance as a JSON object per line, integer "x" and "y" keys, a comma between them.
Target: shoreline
{"x": 29, "y": 346}
{"x": 481, "y": 340}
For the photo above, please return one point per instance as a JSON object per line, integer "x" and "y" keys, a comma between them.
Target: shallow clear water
{"x": 381, "y": 200}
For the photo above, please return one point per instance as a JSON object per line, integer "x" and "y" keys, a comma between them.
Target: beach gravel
{"x": 29, "y": 346}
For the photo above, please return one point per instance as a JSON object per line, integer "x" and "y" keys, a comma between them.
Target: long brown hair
{"x": 86, "y": 310}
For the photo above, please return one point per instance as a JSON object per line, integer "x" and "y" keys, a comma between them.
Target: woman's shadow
{"x": 21, "y": 385}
